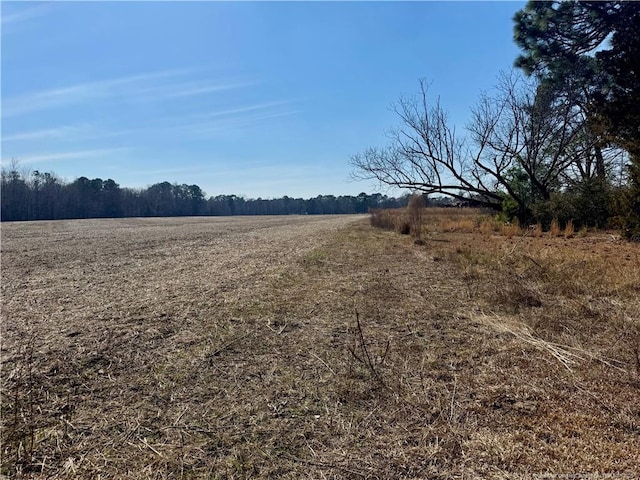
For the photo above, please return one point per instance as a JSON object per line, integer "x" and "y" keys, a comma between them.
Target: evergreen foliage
{"x": 592, "y": 48}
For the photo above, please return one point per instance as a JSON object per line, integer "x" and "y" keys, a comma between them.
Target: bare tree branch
{"x": 522, "y": 127}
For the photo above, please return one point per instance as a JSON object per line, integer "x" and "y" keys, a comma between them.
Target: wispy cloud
{"x": 57, "y": 133}
{"x": 139, "y": 87}
{"x": 190, "y": 90}
{"x": 235, "y": 118}
{"x": 71, "y": 155}
{"x": 80, "y": 93}
{"x": 70, "y": 133}
{"x": 23, "y": 15}
{"x": 226, "y": 125}
{"x": 246, "y": 109}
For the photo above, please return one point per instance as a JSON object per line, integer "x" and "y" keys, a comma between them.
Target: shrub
{"x": 591, "y": 202}
{"x": 588, "y": 203}
{"x": 510, "y": 210}
{"x": 382, "y": 219}
{"x": 559, "y": 207}
{"x": 631, "y": 207}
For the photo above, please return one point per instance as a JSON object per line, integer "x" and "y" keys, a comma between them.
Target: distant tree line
{"x": 44, "y": 196}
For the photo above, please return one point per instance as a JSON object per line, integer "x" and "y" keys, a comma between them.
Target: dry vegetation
{"x": 314, "y": 347}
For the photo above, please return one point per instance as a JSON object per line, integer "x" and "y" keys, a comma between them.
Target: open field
{"x": 316, "y": 347}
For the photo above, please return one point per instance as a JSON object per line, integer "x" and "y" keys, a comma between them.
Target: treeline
{"x": 44, "y": 196}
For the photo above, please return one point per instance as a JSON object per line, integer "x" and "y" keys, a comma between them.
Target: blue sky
{"x": 259, "y": 99}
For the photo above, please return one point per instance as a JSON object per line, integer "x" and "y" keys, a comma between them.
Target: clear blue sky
{"x": 258, "y": 99}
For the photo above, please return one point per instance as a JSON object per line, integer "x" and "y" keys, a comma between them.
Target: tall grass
{"x": 510, "y": 230}
{"x": 384, "y": 219}
{"x": 415, "y": 210}
{"x": 569, "y": 231}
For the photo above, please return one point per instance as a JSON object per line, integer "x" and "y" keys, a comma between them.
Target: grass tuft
{"x": 511, "y": 230}
{"x": 569, "y": 231}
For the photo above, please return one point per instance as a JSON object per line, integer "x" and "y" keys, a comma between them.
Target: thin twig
{"x": 146, "y": 443}
{"x": 323, "y": 362}
{"x": 453, "y": 399}
{"x": 365, "y": 351}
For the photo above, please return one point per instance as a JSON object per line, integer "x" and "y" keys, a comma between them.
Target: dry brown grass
{"x": 385, "y": 219}
{"x": 415, "y": 210}
{"x": 488, "y": 226}
{"x": 211, "y": 348}
{"x": 510, "y": 230}
{"x": 575, "y": 301}
{"x": 569, "y": 230}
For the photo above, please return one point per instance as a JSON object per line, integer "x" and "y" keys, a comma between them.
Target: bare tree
{"x": 522, "y": 144}
{"x": 424, "y": 154}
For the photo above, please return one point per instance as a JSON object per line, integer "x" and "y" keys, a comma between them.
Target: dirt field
{"x": 313, "y": 347}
